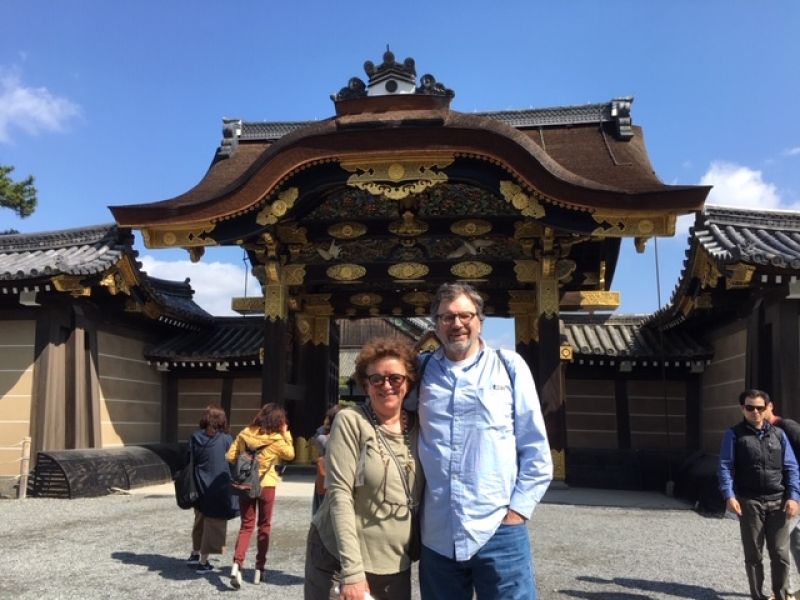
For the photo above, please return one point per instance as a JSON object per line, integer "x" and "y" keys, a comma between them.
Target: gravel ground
{"x": 134, "y": 546}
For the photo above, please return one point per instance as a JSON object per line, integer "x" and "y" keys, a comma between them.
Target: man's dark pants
{"x": 760, "y": 521}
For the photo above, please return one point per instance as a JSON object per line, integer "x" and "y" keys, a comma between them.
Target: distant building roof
{"x": 81, "y": 251}
{"x": 733, "y": 251}
{"x": 236, "y": 341}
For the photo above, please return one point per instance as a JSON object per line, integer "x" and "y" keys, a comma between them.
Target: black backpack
{"x": 245, "y": 478}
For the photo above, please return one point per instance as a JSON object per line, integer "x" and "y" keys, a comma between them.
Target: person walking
{"x": 269, "y": 438}
{"x": 792, "y": 430}
{"x": 320, "y": 442}
{"x": 486, "y": 459}
{"x": 361, "y": 540}
{"x": 216, "y": 504}
{"x": 758, "y": 477}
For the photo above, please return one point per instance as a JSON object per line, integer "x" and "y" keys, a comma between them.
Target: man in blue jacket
{"x": 758, "y": 477}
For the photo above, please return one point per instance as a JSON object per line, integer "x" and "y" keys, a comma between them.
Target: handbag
{"x": 186, "y": 493}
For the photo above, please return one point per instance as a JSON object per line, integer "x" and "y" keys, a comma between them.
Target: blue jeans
{"x": 501, "y": 570}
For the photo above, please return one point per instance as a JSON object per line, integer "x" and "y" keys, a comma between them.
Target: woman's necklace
{"x": 404, "y": 429}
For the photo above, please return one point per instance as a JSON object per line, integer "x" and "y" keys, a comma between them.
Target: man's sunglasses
{"x": 751, "y": 408}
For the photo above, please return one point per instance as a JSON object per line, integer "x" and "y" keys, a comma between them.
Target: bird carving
{"x": 472, "y": 248}
{"x": 332, "y": 253}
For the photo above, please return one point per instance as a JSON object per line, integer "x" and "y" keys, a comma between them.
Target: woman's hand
{"x": 353, "y": 591}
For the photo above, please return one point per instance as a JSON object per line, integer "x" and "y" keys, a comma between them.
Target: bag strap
{"x": 382, "y": 439}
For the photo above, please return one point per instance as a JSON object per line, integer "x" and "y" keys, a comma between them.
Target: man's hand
{"x": 733, "y": 506}
{"x": 513, "y": 518}
{"x": 792, "y": 508}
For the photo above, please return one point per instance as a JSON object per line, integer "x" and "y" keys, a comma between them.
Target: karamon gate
{"x": 367, "y": 212}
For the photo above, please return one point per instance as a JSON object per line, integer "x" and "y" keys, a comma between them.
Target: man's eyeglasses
{"x": 752, "y": 407}
{"x": 395, "y": 379}
{"x": 450, "y": 318}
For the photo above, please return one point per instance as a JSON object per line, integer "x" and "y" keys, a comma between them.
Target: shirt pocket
{"x": 493, "y": 404}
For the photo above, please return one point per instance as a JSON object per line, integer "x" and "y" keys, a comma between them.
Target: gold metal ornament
{"x": 471, "y": 227}
{"x": 418, "y": 299}
{"x": 408, "y": 226}
{"x": 408, "y": 270}
{"x": 738, "y": 276}
{"x": 471, "y": 270}
{"x": 618, "y": 224}
{"x": 346, "y": 272}
{"x": 397, "y": 177}
{"x": 347, "y": 230}
{"x": 366, "y": 299}
{"x": 525, "y": 204}
{"x": 270, "y": 214}
{"x": 184, "y": 236}
{"x": 293, "y": 274}
{"x": 590, "y": 300}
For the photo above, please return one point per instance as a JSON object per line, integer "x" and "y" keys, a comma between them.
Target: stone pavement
{"x": 589, "y": 544}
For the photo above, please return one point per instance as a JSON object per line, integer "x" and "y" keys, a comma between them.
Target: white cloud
{"x": 30, "y": 109}
{"x": 214, "y": 283}
{"x": 792, "y": 151}
{"x": 739, "y": 186}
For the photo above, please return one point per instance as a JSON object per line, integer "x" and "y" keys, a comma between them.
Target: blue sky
{"x": 122, "y": 102}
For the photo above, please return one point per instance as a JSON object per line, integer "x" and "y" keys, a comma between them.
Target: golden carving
{"x": 121, "y": 278}
{"x": 408, "y": 226}
{"x": 418, "y": 299}
{"x": 739, "y": 276}
{"x": 304, "y": 329}
{"x": 471, "y": 269}
{"x": 408, "y": 270}
{"x": 293, "y": 274}
{"x": 72, "y": 285}
{"x": 527, "y": 205}
{"x": 397, "y": 178}
{"x": 590, "y": 300}
{"x": 292, "y": 233}
{"x": 618, "y": 224}
{"x": 471, "y": 227}
{"x": 565, "y": 352}
{"x": 559, "y": 465}
{"x": 704, "y": 302}
{"x": 706, "y": 270}
{"x": 312, "y": 329}
{"x": 347, "y": 230}
{"x": 248, "y": 305}
{"x": 346, "y": 272}
{"x": 318, "y": 304}
{"x": 270, "y": 214}
{"x": 186, "y": 236}
{"x": 275, "y": 301}
{"x": 366, "y": 299}
{"x": 547, "y": 297}
{"x": 527, "y": 229}
{"x": 115, "y": 284}
{"x": 321, "y": 335}
{"x": 196, "y": 253}
{"x": 526, "y": 328}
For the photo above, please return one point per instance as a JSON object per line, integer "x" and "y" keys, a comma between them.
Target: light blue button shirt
{"x": 483, "y": 448}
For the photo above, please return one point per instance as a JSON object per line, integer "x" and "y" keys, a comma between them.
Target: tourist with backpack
{"x": 266, "y": 442}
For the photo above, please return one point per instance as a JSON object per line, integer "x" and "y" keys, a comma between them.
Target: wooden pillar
{"x": 273, "y": 381}
{"x": 313, "y": 353}
{"x": 538, "y": 341}
{"x": 550, "y": 371}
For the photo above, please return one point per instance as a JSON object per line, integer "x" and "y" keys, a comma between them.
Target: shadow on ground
{"x": 662, "y": 589}
{"x": 176, "y": 569}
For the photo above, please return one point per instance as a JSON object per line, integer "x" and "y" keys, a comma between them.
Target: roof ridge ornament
{"x": 391, "y": 78}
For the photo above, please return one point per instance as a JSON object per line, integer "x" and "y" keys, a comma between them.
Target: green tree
{"x": 19, "y": 196}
